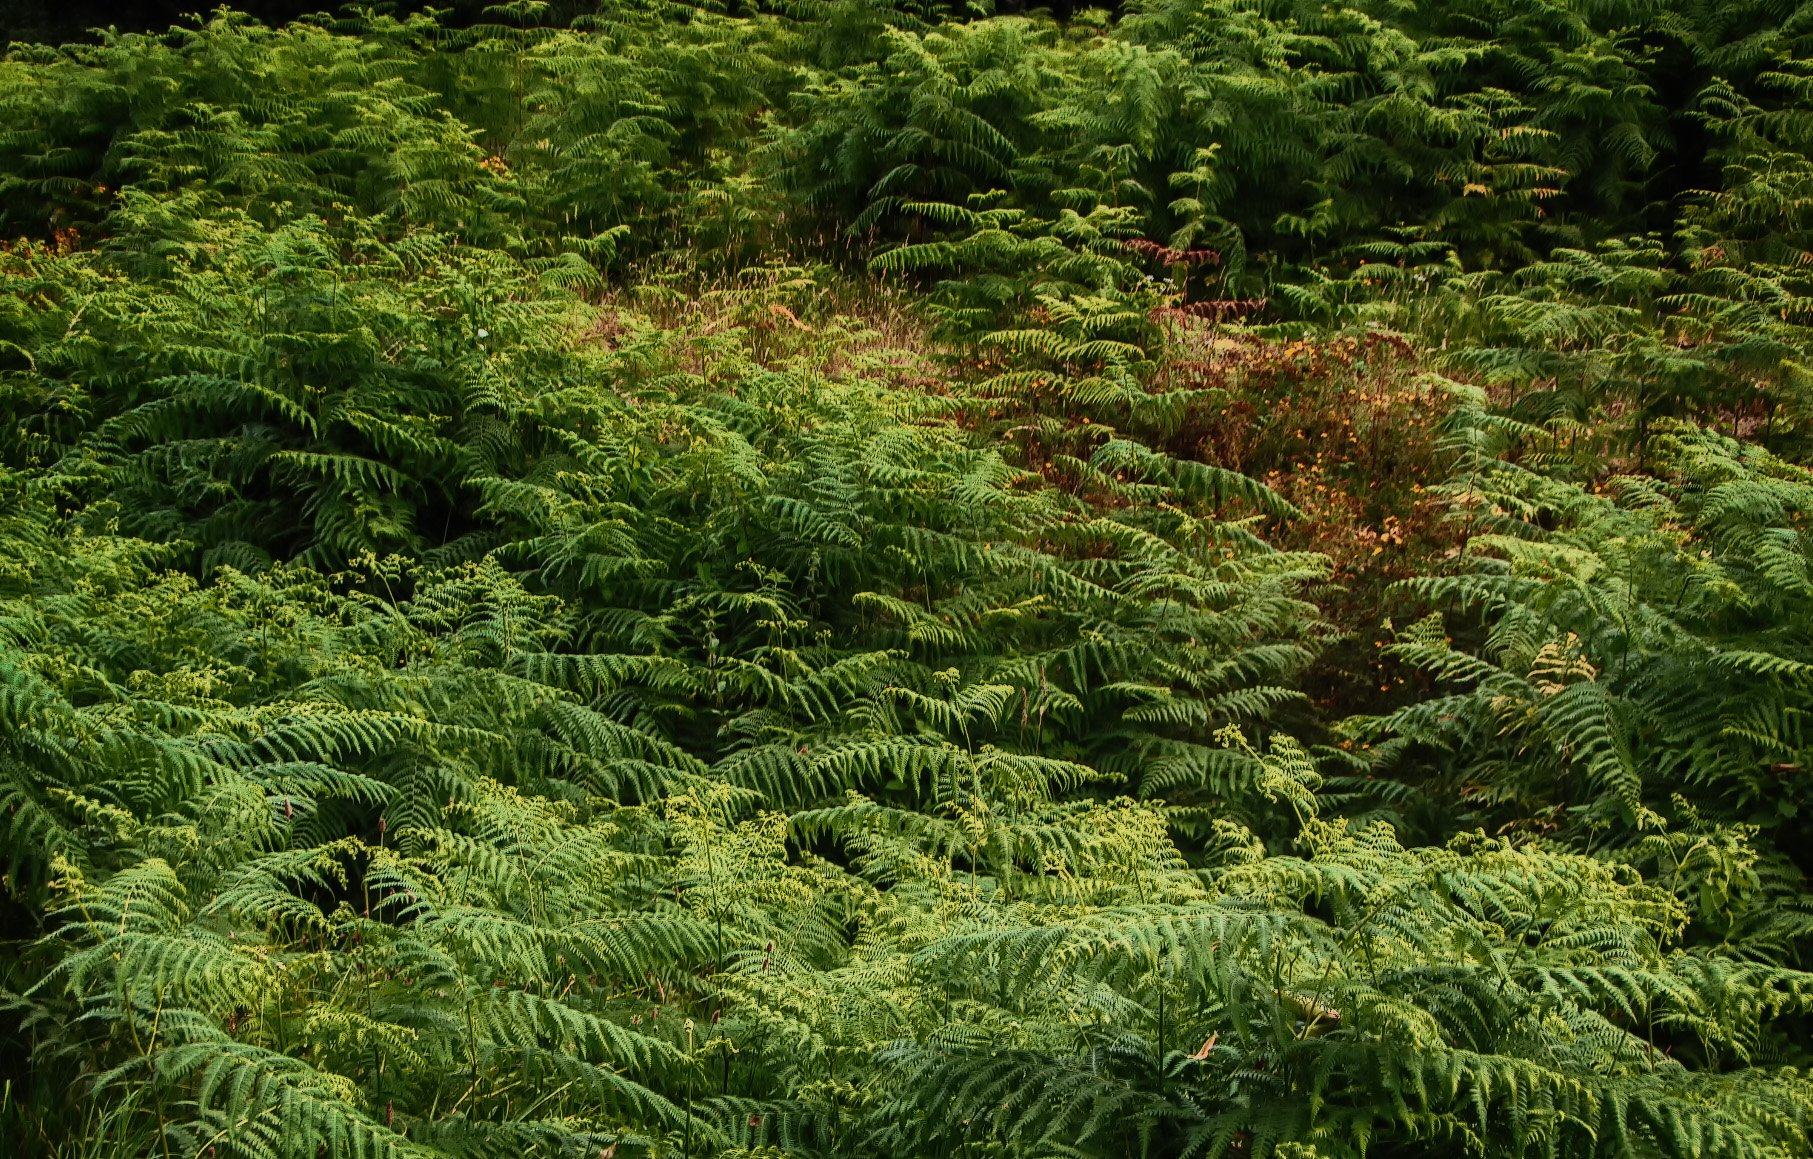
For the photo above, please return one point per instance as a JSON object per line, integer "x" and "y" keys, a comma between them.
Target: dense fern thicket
{"x": 1218, "y": 579}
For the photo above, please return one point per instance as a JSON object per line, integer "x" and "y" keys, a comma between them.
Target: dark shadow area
{"x": 60, "y": 21}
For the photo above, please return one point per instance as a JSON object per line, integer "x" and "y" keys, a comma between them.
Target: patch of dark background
{"x": 64, "y": 21}
{"x": 60, "y": 21}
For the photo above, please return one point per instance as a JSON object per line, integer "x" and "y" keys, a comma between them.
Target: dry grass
{"x": 785, "y": 317}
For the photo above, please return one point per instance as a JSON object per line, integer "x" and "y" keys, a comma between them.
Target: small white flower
{"x": 483, "y": 333}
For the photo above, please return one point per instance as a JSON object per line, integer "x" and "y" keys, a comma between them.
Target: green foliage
{"x": 684, "y": 584}
{"x": 1644, "y": 669}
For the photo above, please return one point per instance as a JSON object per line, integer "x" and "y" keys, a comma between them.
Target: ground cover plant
{"x": 1211, "y": 578}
